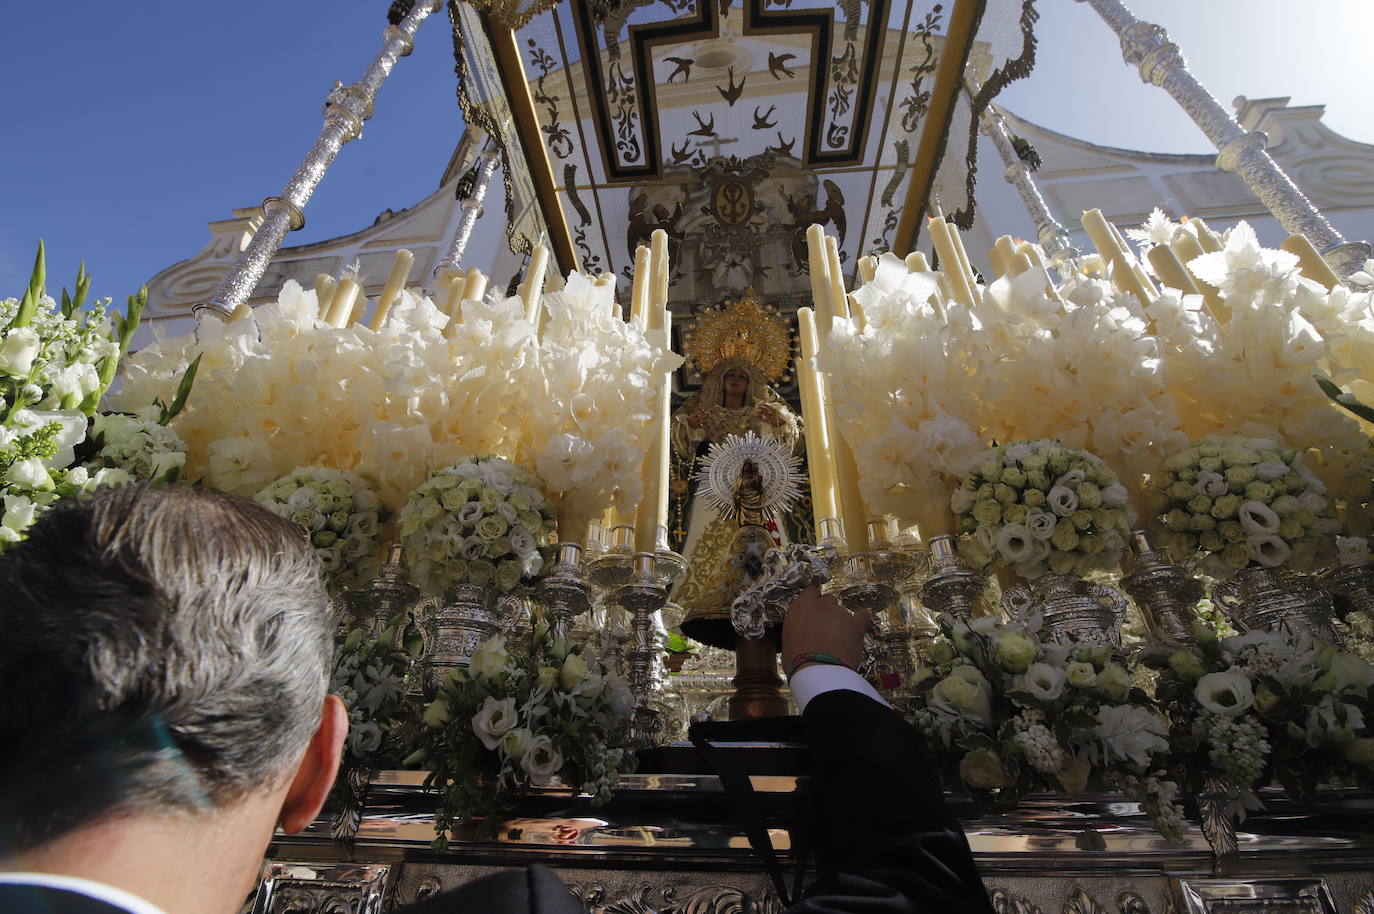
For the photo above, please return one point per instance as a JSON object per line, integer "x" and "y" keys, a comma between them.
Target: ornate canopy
{"x": 735, "y": 124}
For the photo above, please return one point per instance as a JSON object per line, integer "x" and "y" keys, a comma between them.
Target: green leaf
{"x": 1342, "y": 399}
{"x": 28, "y": 306}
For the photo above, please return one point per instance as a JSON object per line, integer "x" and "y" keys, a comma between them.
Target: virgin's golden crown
{"x": 743, "y": 329}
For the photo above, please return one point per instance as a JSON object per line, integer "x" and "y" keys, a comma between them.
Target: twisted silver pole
{"x": 1147, "y": 46}
{"x": 344, "y": 112}
{"x": 485, "y": 166}
{"x": 1053, "y": 237}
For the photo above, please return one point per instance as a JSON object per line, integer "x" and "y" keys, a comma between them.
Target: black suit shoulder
{"x": 885, "y": 842}
{"x": 35, "y": 899}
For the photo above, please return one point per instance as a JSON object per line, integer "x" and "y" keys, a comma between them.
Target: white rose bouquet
{"x": 1267, "y": 707}
{"x": 508, "y": 721}
{"x": 1006, "y": 713}
{"x": 343, "y": 515}
{"x": 1037, "y": 506}
{"x": 1237, "y": 500}
{"x": 479, "y": 522}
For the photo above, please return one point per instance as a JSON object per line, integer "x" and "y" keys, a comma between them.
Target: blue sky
{"x": 130, "y": 126}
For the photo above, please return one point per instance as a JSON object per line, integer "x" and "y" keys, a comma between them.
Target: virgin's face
{"x": 735, "y": 382}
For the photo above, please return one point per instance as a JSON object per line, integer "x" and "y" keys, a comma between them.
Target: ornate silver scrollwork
{"x": 786, "y": 572}
{"x": 312, "y": 888}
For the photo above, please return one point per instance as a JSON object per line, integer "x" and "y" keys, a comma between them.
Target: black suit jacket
{"x": 34, "y": 899}
{"x": 885, "y": 843}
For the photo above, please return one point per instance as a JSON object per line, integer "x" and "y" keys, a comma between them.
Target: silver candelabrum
{"x": 1074, "y": 609}
{"x": 952, "y": 588}
{"x": 464, "y": 618}
{"x": 871, "y": 581}
{"x": 1164, "y": 593}
{"x": 565, "y": 592}
{"x": 642, "y": 597}
{"x": 1257, "y": 599}
{"x": 389, "y": 593}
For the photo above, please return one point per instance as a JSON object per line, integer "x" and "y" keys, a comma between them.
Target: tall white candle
{"x": 395, "y": 282}
{"x": 532, "y": 289}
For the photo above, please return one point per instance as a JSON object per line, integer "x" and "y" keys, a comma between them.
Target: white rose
{"x": 490, "y": 658}
{"x": 1227, "y": 693}
{"x": 494, "y": 720}
{"x": 366, "y": 737}
{"x": 1270, "y": 469}
{"x": 541, "y": 761}
{"x": 965, "y": 691}
{"x": 1062, "y": 500}
{"x": 574, "y": 672}
{"x": 1042, "y": 681}
{"x": 17, "y": 351}
{"x": 1313, "y": 501}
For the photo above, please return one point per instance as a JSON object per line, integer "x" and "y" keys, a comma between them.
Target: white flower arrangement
{"x": 1036, "y": 506}
{"x": 1267, "y": 707}
{"x": 1237, "y": 500}
{"x": 1012, "y": 713}
{"x": 599, "y": 379}
{"x": 343, "y": 515}
{"x": 286, "y": 389}
{"x": 480, "y": 521}
{"x": 536, "y": 719}
{"x": 900, "y": 398}
{"x": 371, "y": 676}
{"x": 56, "y": 363}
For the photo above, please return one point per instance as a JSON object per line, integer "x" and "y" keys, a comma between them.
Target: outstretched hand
{"x": 817, "y": 622}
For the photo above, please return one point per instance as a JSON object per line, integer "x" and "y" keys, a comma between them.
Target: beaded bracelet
{"x": 813, "y": 657}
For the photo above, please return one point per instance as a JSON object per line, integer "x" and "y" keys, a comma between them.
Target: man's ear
{"x": 315, "y": 775}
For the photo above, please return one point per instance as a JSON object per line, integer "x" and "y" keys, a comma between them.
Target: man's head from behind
{"x": 165, "y": 652}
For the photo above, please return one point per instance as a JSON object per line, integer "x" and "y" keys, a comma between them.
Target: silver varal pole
{"x": 1053, "y": 237}
{"x": 1147, "y": 46}
{"x": 344, "y": 112}
{"x": 485, "y": 166}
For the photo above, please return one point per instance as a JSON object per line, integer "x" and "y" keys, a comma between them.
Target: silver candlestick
{"x": 641, "y": 598}
{"x": 388, "y": 594}
{"x": 1147, "y": 46}
{"x": 1164, "y": 593}
{"x": 345, "y": 110}
{"x": 565, "y": 593}
{"x": 953, "y": 588}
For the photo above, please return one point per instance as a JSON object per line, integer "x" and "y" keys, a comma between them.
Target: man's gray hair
{"x": 163, "y": 648}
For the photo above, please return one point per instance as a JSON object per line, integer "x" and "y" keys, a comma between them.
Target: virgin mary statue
{"x": 739, "y": 349}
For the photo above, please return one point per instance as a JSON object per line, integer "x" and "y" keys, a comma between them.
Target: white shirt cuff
{"x": 811, "y": 681}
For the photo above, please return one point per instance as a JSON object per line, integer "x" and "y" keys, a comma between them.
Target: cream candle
{"x": 395, "y": 282}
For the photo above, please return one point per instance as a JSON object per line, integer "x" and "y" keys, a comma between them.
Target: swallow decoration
{"x": 777, "y": 65}
{"x": 762, "y": 122}
{"x": 683, "y": 65}
{"x": 704, "y": 128}
{"x": 732, "y": 94}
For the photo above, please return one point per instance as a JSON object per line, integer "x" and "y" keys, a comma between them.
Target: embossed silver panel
{"x": 1255, "y": 896}
{"x": 311, "y": 888}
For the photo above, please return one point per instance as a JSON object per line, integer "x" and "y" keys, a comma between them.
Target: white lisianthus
{"x": 1269, "y": 551}
{"x": 494, "y": 720}
{"x": 517, "y": 742}
{"x": 1062, "y": 500}
{"x": 1041, "y": 681}
{"x": 541, "y": 761}
{"x": 1258, "y": 518}
{"x": 1228, "y": 693}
